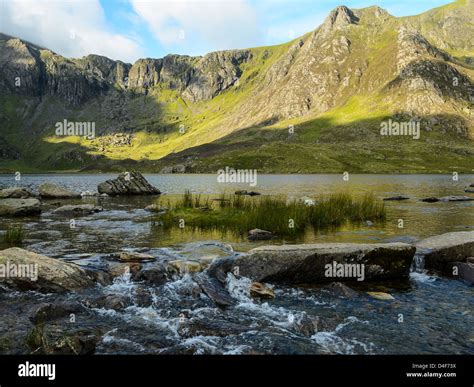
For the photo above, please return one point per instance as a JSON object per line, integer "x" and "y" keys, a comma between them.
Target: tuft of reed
{"x": 14, "y": 235}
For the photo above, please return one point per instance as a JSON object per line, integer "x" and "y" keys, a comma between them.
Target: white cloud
{"x": 198, "y": 26}
{"x": 72, "y": 28}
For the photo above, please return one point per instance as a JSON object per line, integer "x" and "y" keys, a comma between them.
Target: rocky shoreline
{"x": 48, "y": 291}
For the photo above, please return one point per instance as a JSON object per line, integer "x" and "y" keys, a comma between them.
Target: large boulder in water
{"x": 128, "y": 183}
{"x": 15, "y": 193}
{"x": 25, "y": 270}
{"x": 439, "y": 251}
{"x": 298, "y": 264}
{"x": 52, "y": 191}
{"x": 19, "y": 207}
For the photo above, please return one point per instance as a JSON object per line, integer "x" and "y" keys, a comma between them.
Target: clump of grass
{"x": 14, "y": 235}
{"x": 283, "y": 218}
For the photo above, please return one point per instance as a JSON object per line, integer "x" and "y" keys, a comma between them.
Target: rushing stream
{"x": 429, "y": 315}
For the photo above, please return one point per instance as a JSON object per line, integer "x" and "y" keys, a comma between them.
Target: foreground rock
{"x": 78, "y": 210}
{"x": 439, "y": 251}
{"x": 52, "y": 191}
{"x": 126, "y": 183}
{"x": 298, "y": 264}
{"x": 24, "y": 270}
{"x": 19, "y": 207}
{"x": 15, "y": 193}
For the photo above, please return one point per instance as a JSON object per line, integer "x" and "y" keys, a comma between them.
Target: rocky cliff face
{"x": 41, "y": 72}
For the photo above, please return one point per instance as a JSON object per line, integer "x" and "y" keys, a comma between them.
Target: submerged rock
{"x": 297, "y": 264}
{"x": 131, "y": 256}
{"x": 259, "y": 290}
{"x": 110, "y": 301}
{"x": 52, "y": 191}
{"x": 155, "y": 208}
{"x": 183, "y": 267}
{"x": 126, "y": 183}
{"x": 78, "y": 210}
{"x": 15, "y": 193}
{"x": 381, "y": 296}
{"x": 469, "y": 190}
{"x": 25, "y": 270}
{"x": 439, "y": 251}
{"x": 19, "y": 207}
{"x": 259, "y": 235}
{"x": 338, "y": 289}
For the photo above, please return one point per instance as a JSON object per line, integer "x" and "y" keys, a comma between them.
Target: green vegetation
{"x": 239, "y": 214}
{"x": 14, "y": 235}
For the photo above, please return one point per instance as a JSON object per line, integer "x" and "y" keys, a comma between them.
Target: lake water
{"x": 438, "y": 313}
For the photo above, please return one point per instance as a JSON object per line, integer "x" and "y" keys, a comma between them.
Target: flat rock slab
{"x": 52, "y": 191}
{"x": 298, "y": 264}
{"x": 19, "y": 207}
{"x": 128, "y": 183}
{"x": 440, "y": 250}
{"x": 456, "y": 199}
{"x": 25, "y": 270}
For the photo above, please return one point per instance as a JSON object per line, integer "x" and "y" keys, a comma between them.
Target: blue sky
{"x": 130, "y": 29}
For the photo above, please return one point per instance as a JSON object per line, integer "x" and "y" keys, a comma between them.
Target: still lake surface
{"x": 437, "y": 313}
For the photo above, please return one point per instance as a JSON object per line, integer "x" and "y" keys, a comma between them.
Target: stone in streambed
{"x": 78, "y": 210}
{"x": 439, "y": 251}
{"x": 19, "y": 207}
{"x": 131, "y": 256}
{"x": 214, "y": 290}
{"x": 297, "y": 264}
{"x": 381, "y": 296}
{"x": 52, "y": 191}
{"x": 52, "y": 311}
{"x": 430, "y": 200}
{"x": 126, "y": 183}
{"x": 41, "y": 273}
{"x": 184, "y": 267}
{"x": 157, "y": 275}
{"x": 258, "y": 290}
{"x": 338, "y": 289}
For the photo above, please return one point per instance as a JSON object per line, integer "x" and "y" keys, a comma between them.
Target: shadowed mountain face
{"x": 314, "y": 104}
